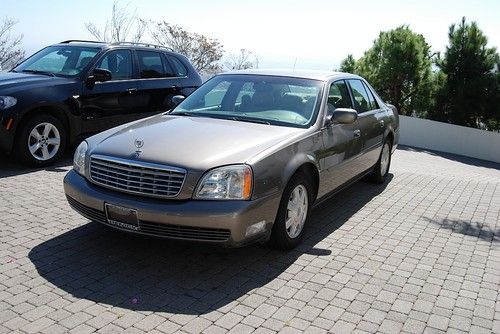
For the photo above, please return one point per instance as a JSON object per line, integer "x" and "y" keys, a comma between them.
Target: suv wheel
{"x": 293, "y": 214}
{"x": 41, "y": 141}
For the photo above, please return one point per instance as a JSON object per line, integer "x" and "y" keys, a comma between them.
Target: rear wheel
{"x": 293, "y": 214}
{"x": 41, "y": 141}
{"x": 383, "y": 164}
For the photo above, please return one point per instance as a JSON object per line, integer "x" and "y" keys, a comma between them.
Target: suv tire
{"x": 41, "y": 140}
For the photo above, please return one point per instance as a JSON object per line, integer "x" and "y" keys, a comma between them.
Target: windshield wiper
{"x": 181, "y": 113}
{"x": 39, "y": 72}
{"x": 250, "y": 120}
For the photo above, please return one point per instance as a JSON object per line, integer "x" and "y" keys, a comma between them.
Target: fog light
{"x": 255, "y": 228}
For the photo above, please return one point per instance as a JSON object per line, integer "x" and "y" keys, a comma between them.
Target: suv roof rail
{"x": 156, "y": 46}
{"x": 79, "y": 40}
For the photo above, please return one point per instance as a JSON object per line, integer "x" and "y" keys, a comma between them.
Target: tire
{"x": 41, "y": 141}
{"x": 283, "y": 237}
{"x": 381, "y": 169}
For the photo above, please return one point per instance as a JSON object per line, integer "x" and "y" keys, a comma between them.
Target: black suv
{"x": 74, "y": 88}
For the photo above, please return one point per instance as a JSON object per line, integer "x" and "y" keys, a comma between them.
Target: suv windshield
{"x": 255, "y": 98}
{"x": 59, "y": 60}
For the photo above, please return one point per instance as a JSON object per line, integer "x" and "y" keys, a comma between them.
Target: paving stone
{"x": 417, "y": 254}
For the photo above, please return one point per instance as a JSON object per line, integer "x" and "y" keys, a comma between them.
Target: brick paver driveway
{"x": 419, "y": 254}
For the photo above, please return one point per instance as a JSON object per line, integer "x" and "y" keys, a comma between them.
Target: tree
{"x": 203, "y": 52}
{"x": 11, "y": 52}
{"x": 348, "y": 65}
{"x": 242, "y": 61}
{"x": 399, "y": 67}
{"x": 122, "y": 26}
{"x": 470, "y": 94}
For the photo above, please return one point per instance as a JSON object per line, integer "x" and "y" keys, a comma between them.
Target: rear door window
{"x": 151, "y": 65}
{"x": 371, "y": 99}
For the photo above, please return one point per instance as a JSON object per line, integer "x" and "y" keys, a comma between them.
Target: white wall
{"x": 444, "y": 137}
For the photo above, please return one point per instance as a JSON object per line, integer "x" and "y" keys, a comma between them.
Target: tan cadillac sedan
{"x": 242, "y": 159}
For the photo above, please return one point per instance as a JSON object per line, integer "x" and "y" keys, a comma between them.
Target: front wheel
{"x": 293, "y": 214}
{"x": 41, "y": 141}
{"x": 381, "y": 168}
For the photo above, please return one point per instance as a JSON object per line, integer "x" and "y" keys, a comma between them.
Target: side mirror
{"x": 100, "y": 75}
{"x": 342, "y": 116}
{"x": 176, "y": 99}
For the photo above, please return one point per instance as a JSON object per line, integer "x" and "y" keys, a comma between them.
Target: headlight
{"x": 7, "y": 102}
{"x": 79, "y": 158}
{"x": 226, "y": 183}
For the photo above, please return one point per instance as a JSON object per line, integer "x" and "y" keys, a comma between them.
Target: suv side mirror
{"x": 342, "y": 116}
{"x": 100, "y": 75}
{"x": 176, "y": 99}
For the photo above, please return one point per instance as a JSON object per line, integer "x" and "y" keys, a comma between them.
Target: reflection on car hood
{"x": 191, "y": 142}
{"x": 20, "y": 81}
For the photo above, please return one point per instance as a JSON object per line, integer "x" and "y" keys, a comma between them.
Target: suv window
{"x": 338, "y": 96}
{"x": 118, "y": 62}
{"x": 151, "y": 65}
{"x": 59, "y": 60}
{"x": 361, "y": 99}
{"x": 179, "y": 68}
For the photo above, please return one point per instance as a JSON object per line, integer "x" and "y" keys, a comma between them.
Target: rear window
{"x": 179, "y": 68}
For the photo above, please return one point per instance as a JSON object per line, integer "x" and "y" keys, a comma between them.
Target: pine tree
{"x": 469, "y": 95}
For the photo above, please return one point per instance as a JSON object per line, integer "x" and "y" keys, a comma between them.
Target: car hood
{"x": 13, "y": 80}
{"x": 196, "y": 143}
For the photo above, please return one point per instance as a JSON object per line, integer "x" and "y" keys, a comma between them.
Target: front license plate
{"x": 122, "y": 217}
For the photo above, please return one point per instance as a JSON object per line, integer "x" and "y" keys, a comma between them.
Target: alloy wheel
{"x": 44, "y": 141}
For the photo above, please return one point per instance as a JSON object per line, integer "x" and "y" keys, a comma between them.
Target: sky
{"x": 311, "y": 34}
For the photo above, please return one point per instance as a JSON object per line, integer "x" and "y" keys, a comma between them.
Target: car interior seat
{"x": 263, "y": 98}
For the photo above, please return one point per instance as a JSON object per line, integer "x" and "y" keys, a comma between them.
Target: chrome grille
{"x": 135, "y": 177}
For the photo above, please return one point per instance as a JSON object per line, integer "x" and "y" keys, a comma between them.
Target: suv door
{"x": 107, "y": 104}
{"x": 158, "y": 82}
{"x": 341, "y": 146}
{"x": 370, "y": 123}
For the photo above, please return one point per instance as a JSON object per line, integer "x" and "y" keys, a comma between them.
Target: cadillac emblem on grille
{"x": 139, "y": 143}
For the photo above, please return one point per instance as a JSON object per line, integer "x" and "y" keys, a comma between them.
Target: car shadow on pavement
{"x": 10, "y": 167}
{"x": 454, "y": 157}
{"x": 99, "y": 264}
{"x": 470, "y": 228}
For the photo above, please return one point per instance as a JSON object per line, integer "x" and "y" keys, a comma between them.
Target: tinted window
{"x": 373, "y": 103}
{"x": 179, "y": 68}
{"x": 338, "y": 96}
{"x": 361, "y": 99}
{"x": 119, "y": 63}
{"x": 151, "y": 65}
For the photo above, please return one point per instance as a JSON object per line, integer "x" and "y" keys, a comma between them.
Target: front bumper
{"x": 6, "y": 136}
{"x": 220, "y": 222}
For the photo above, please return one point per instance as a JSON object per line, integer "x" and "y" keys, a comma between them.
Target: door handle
{"x": 382, "y": 123}
{"x": 131, "y": 90}
{"x": 357, "y": 133}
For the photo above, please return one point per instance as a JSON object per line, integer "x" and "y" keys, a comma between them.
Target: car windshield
{"x": 59, "y": 60}
{"x": 255, "y": 98}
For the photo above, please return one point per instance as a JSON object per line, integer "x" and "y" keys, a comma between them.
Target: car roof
{"x": 295, "y": 73}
